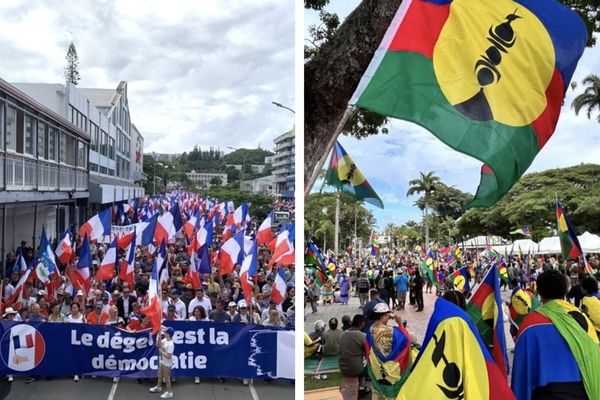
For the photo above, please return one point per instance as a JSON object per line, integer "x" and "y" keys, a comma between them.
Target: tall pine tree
{"x": 72, "y": 68}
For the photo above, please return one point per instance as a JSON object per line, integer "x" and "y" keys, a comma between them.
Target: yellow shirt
{"x": 590, "y": 306}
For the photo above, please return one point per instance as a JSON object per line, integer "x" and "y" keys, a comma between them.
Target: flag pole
{"x": 349, "y": 113}
{"x": 337, "y": 223}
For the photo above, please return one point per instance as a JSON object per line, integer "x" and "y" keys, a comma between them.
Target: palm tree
{"x": 590, "y": 98}
{"x": 427, "y": 184}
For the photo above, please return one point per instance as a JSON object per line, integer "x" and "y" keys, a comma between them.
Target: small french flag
{"x": 279, "y": 287}
{"x": 23, "y": 341}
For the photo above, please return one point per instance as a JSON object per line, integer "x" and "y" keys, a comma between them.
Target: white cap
{"x": 381, "y": 308}
{"x": 9, "y": 310}
{"x": 232, "y": 304}
{"x": 242, "y": 304}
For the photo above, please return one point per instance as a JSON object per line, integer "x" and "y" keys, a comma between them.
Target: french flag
{"x": 163, "y": 266}
{"x": 191, "y": 225}
{"x": 248, "y": 272}
{"x": 240, "y": 214}
{"x": 18, "y": 293}
{"x": 127, "y": 266}
{"x": 64, "y": 249}
{"x": 193, "y": 276}
{"x": 106, "y": 270}
{"x": 168, "y": 225}
{"x": 284, "y": 253}
{"x": 264, "y": 235}
{"x": 204, "y": 260}
{"x": 23, "y": 341}
{"x": 153, "y": 308}
{"x": 231, "y": 253}
{"x": 229, "y": 232}
{"x": 205, "y": 235}
{"x": 20, "y": 265}
{"x": 279, "y": 287}
{"x": 81, "y": 277}
{"x": 97, "y": 226}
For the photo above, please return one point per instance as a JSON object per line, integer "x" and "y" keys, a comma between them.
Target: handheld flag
{"x": 279, "y": 289}
{"x": 127, "y": 266}
{"x": 461, "y": 278}
{"x": 345, "y": 176}
{"x": 522, "y": 231}
{"x": 152, "y": 309}
{"x": 106, "y": 270}
{"x": 485, "y": 308}
{"x": 231, "y": 253}
{"x": 97, "y": 226}
{"x": 569, "y": 243}
{"x": 486, "y": 78}
{"x": 46, "y": 264}
{"x": 264, "y": 234}
{"x": 64, "y": 250}
{"x": 453, "y": 362}
{"x": 247, "y": 274}
{"x": 374, "y": 244}
{"x": 80, "y": 278}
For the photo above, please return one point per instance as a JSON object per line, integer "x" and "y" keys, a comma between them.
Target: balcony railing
{"x": 24, "y": 173}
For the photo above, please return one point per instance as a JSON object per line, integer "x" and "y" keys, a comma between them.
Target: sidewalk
{"x": 323, "y": 394}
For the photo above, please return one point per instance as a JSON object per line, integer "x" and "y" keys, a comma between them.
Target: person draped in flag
{"x": 387, "y": 353}
{"x": 561, "y": 342}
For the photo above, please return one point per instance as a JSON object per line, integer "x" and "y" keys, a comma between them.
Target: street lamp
{"x": 282, "y": 106}
{"x": 154, "y": 175}
{"x": 243, "y": 164}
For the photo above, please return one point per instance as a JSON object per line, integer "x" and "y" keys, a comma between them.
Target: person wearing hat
{"x": 171, "y": 313}
{"x": 242, "y": 316}
{"x": 166, "y": 347}
{"x": 387, "y": 353}
{"x": 97, "y": 316}
{"x": 177, "y": 303}
{"x": 232, "y": 310}
{"x": 11, "y": 315}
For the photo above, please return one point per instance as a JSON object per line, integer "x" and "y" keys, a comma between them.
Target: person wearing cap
{"x": 387, "y": 353}
{"x": 232, "y": 310}
{"x": 97, "y": 316}
{"x": 166, "y": 347}
{"x": 179, "y": 305}
{"x": 171, "y": 313}
{"x": 242, "y": 316}
{"x": 200, "y": 300}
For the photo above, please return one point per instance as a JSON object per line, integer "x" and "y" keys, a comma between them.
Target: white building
{"x": 283, "y": 164}
{"x": 104, "y": 115}
{"x": 264, "y": 185}
{"x": 43, "y": 170}
{"x": 255, "y": 168}
{"x": 203, "y": 179}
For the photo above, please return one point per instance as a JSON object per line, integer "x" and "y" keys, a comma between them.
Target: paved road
{"x": 129, "y": 389}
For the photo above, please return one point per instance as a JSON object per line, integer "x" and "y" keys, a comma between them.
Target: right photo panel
{"x": 451, "y": 186}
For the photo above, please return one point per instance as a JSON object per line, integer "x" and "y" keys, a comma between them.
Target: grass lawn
{"x": 333, "y": 380}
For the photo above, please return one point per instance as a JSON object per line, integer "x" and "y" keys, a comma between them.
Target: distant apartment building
{"x": 162, "y": 157}
{"x": 115, "y": 142}
{"x": 203, "y": 179}
{"x": 269, "y": 159}
{"x": 283, "y": 164}
{"x": 43, "y": 170}
{"x": 264, "y": 185}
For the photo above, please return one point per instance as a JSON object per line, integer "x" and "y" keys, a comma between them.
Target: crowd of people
{"x": 114, "y": 302}
{"x": 389, "y": 285}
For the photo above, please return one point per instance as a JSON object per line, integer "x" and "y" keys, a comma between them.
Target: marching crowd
{"x": 115, "y": 302}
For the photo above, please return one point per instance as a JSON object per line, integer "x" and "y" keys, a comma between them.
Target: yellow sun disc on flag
{"x": 494, "y": 60}
{"x": 348, "y": 172}
{"x": 521, "y": 302}
{"x": 459, "y": 282}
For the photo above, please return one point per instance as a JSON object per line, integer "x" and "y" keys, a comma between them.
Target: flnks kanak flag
{"x": 97, "y": 226}
{"x": 485, "y": 308}
{"x": 345, "y": 175}
{"x": 486, "y": 77}
{"x": 453, "y": 362}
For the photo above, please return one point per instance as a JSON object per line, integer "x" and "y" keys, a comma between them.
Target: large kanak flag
{"x": 487, "y": 78}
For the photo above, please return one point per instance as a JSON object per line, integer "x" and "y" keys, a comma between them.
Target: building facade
{"x": 284, "y": 164}
{"x": 104, "y": 115}
{"x": 255, "y": 168}
{"x": 264, "y": 185}
{"x": 203, "y": 179}
{"x": 44, "y": 179}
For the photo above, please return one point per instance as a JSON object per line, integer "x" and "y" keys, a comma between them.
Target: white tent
{"x": 589, "y": 242}
{"x": 479, "y": 242}
{"x": 525, "y": 246}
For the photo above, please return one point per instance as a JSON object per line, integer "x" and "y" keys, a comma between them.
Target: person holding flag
{"x": 166, "y": 347}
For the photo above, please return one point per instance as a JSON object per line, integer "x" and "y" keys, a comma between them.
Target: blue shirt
{"x": 401, "y": 283}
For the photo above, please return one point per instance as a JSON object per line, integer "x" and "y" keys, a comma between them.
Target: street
{"x": 129, "y": 389}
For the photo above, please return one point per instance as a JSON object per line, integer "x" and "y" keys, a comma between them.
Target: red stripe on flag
{"x": 482, "y": 294}
{"x": 421, "y": 27}
{"x": 545, "y": 124}
{"x": 29, "y": 340}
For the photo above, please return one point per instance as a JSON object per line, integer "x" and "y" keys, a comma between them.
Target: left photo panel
{"x": 147, "y": 208}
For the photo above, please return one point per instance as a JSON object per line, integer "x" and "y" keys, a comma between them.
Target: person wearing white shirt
{"x": 200, "y": 300}
{"x": 179, "y": 305}
{"x": 9, "y": 289}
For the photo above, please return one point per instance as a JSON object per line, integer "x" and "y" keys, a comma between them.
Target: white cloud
{"x": 200, "y": 72}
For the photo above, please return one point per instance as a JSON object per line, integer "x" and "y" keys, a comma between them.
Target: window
{"x": 11, "y": 128}
{"x": 103, "y": 170}
{"x": 62, "y": 147}
{"x": 1, "y": 126}
{"x": 104, "y": 146}
{"x": 42, "y": 151}
{"x": 29, "y": 142}
{"x": 81, "y": 154}
{"x": 94, "y": 145}
{"x": 111, "y": 149}
{"x": 52, "y": 134}
{"x": 93, "y": 167}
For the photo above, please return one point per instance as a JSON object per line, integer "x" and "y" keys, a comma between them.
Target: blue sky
{"x": 390, "y": 161}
